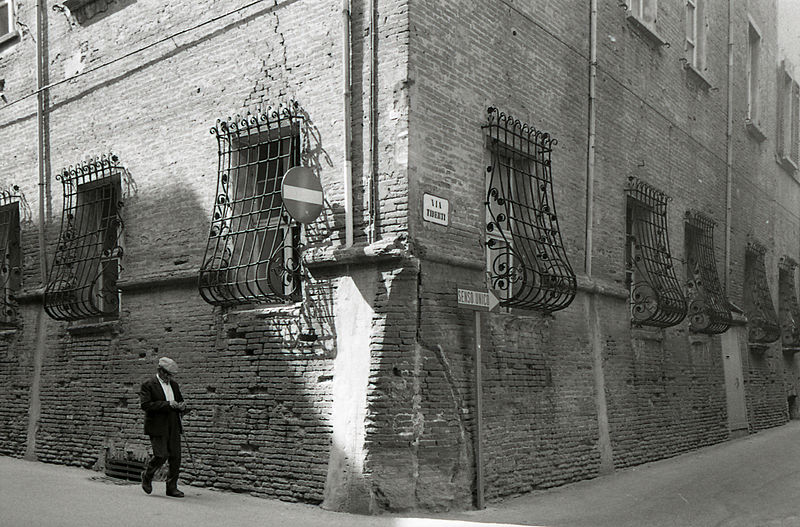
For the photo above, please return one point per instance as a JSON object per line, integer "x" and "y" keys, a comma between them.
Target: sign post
{"x": 478, "y": 301}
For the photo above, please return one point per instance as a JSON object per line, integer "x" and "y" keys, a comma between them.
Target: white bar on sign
{"x": 306, "y": 195}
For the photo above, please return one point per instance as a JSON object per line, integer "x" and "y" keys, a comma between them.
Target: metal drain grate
{"x": 127, "y": 469}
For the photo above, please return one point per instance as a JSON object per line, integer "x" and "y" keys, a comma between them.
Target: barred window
{"x": 696, "y": 34}
{"x": 788, "y": 307}
{"x": 762, "y": 319}
{"x": 526, "y": 261}
{"x": 253, "y": 249}
{"x": 709, "y": 310}
{"x": 655, "y": 293}
{"x": 83, "y": 279}
{"x": 10, "y": 270}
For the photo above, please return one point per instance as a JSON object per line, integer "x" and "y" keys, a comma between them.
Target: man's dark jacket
{"x": 157, "y": 411}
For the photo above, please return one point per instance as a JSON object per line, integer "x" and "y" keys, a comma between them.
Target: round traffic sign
{"x": 302, "y": 194}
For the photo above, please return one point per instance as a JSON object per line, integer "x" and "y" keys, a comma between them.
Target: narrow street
{"x": 748, "y": 482}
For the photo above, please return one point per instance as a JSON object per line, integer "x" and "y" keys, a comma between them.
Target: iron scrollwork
{"x": 709, "y": 309}
{"x": 788, "y": 307}
{"x": 762, "y": 320}
{"x": 83, "y": 278}
{"x": 527, "y": 264}
{"x": 12, "y": 205}
{"x": 253, "y": 254}
{"x": 656, "y": 295}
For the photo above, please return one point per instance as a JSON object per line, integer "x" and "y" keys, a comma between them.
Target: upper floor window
{"x": 253, "y": 249}
{"x": 7, "y": 22}
{"x": 788, "y": 114}
{"x": 644, "y": 14}
{"x": 753, "y": 72}
{"x": 696, "y": 35}
{"x": 527, "y": 264}
{"x": 655, "y": 293}
{"x": 644, "y": 10}
{"x": 83, "y": 279}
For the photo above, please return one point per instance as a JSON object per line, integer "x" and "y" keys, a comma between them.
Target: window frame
{"x": 788, "y": 151}
{"x": 10, "y": 271}
{"x": 82, "y": 284}
{"x": 234, "y": 270}
{"x": 754, "y": 110}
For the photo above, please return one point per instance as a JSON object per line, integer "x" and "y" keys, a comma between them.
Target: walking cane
{"x": 186, "y": 441}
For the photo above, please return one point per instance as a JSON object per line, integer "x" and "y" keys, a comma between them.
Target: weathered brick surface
{"x": 264, "y": 401}
{"x": 262, "y": 398}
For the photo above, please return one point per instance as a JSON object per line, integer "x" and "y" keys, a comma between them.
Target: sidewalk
{"x": 753, "y": 481}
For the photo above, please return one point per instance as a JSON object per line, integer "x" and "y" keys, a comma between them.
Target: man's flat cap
{"x": 168, "y": 364}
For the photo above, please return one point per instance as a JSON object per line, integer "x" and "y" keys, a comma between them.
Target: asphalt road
{"x": 748, "y": 482}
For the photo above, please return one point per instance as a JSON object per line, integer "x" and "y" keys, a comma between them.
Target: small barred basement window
{"x": 83, "y": 279}
{"x": 788, "y": 307}
{"x": 526, "y": 264}
{"x": 709, "y": 310}
{"x": 10, "y": 270}
{"x": 762, "y": 320}
{"x": 253, "y": 250}
{"x": 656, "y": 295}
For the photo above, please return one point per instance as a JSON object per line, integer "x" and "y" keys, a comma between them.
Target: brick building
{"x": 623, "y": 178}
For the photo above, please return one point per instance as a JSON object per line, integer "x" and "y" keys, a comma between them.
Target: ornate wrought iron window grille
{"x": 788, "y": 307}
{"x": 709, "y": 309}
{"x": 11, "y": 201}
{"x": 655, "y": 293}
{"x": 253, "y": 254}
{"x": 762, "y": 320}
{"x": 83, "y": 279}
{"x": 527, "y": 265}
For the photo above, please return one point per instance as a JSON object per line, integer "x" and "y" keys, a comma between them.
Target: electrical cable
{"x": 130, "y": 54}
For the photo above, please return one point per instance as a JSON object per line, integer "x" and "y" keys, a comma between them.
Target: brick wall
{"x": 265, "y": 403}
{"x": 263, "y": 398}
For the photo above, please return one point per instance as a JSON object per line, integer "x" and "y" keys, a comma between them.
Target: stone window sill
{"x": 646, "y": 29}
{"x": 699, "y": 75}
{"x": 754, "y": 130}
{"x": 93, "y": 328}
{"x": 9, "y": 39}
{"x": 787, "y": 164}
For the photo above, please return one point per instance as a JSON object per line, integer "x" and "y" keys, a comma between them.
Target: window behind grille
{"x": 83, "y": 279}
{"x": 527, "y": 265}
{"x": 10, "y": 268}
{"x": 655, "y": 293}
{"x": 252, "y": 255}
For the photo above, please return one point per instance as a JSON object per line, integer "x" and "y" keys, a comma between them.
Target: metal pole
{"x": 478, "y": 415}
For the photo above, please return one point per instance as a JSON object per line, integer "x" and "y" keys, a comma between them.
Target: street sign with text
{"x": 479, "y": 300}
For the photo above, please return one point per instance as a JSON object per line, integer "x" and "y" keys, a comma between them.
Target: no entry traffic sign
{"x": 302, "y": 194}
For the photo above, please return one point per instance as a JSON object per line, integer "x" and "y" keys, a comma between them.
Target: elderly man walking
{"x": 162, "y": 402}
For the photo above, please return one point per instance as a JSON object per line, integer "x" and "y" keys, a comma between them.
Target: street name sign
{"x": 478, "y": 300}
{"x": 301, "y": 191}
{"x": 435, "y": 209}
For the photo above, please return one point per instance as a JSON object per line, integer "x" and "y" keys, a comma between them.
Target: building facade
{"x": 621, "y": 178}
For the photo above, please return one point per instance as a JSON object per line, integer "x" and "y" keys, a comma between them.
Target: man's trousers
{"x": 166, "y": 448}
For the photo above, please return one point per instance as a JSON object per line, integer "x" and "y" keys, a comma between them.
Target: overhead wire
{"x": 132, "y": 53}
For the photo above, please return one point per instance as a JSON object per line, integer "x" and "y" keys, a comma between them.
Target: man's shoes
{"x": 175, "y": 493}
{"x": 147, "y": 483}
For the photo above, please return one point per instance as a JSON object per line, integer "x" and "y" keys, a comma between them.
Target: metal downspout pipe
{"x": 34, "y": 404}
{"x": 373, "y": 124}
{"x": 592, "y": 313}
{"x": 729, "y": 153}
{"x": 348, "y": 133}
